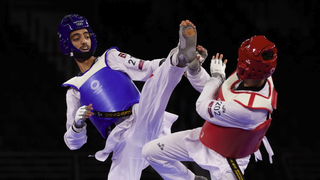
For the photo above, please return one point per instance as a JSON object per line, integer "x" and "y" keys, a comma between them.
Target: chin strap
{"x": 82, "y": 56}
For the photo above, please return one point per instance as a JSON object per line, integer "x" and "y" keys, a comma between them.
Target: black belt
{"x": 113, "y": 114}
{"x": 235, "y": 168}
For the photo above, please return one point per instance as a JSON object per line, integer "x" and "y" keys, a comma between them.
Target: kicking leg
{"x": 187, "y": 44}
{"x": 159, "y": 87}
{"x": 154, "y": 99}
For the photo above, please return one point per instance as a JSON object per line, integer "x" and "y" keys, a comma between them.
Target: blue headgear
{"x": 70, "y": 23}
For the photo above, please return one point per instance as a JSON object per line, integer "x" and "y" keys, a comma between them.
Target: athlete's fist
{"x": 202, "y": 54}
{"x": 194, "y": 66}
{"x": 83, "y": 113}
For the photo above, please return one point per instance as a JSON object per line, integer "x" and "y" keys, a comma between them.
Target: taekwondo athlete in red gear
{"x": 237, "y": 113}
{"x": 105, "y": 94}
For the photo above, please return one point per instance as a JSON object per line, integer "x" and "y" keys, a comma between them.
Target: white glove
{"x": 79, "y": 120}
{"x": 202, "y": 54}
{"x": 217, "y": 68}
{"x": 194, "y": 66}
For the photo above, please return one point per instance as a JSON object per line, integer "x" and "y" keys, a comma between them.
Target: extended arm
{"x": 195, "y": 73}
{"x": 198, "y": 76}
{"x": 227, "y": 114}
{"x": 207, "y": 106}
{"x": 137, "y": 69}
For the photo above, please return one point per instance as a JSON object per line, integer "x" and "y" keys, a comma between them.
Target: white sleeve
{"x": 199, "y": 80}
{"x": 227, "y": 114}
{"x": 73, "y": 139}
{"x": 137, "y": 69}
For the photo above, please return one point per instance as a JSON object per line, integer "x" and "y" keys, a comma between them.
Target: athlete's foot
{"x": 187, "y": 44}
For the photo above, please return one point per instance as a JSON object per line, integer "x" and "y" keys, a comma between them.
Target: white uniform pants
{"x": 147, "y": 124}
{"x": 164, "y": 155}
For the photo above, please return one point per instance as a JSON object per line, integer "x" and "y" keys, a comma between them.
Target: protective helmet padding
{"x": 68, "y": 24}
{"x": 251, "y": 63}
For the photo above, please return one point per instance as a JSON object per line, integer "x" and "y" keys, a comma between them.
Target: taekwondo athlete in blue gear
{"x": 102, "y": 82}
{"x": 105, "y": 85}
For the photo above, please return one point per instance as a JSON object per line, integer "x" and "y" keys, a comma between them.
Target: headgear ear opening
{"x": 267, "y": 55}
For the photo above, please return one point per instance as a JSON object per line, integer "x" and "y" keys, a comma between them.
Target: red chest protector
{"x": 236, "y": 142}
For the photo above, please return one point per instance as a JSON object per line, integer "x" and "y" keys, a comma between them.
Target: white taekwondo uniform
{"x": 165, "y": 153}
{"x": 147, "y": 122}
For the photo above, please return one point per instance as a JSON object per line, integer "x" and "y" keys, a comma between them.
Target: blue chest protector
{"x": 107, "y": 90}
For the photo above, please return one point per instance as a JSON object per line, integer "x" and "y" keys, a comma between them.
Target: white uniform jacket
{"x": 136, "y": 69}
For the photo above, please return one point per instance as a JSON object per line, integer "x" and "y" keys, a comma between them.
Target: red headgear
{"x": 252, "y": 63}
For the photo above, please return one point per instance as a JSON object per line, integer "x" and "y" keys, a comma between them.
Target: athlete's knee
{"x": 147, "y": 150}
{"x": 150, "y": 152}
